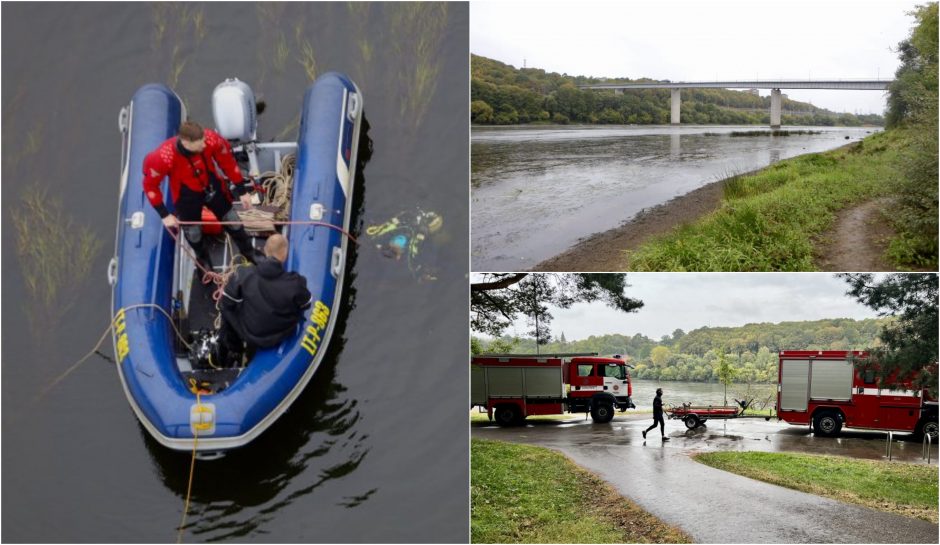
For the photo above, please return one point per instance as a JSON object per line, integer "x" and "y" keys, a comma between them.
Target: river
{"x": 537, "y": 190}
{"x": 370, "y": 452}
{"x": 677, "y": 392}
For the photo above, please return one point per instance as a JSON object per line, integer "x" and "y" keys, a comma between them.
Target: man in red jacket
{"x": 190, "y": 160}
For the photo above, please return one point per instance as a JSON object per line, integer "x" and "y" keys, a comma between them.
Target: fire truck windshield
{"x": 615, "y": 371}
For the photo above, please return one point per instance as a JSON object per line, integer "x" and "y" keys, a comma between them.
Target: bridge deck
{"x": 860, "y": 84}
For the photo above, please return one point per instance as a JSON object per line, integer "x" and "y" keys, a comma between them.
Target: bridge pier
{"x": 676, "y": 102}
{"x": 618, "y": 91}
{"x": 775, "y": 107}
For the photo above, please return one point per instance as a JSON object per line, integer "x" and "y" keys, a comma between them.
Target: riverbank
{"x": 528, "y": 494}
{"x": 769, "y": 220}
{"x": 607, "y": 251}
{"x": 893, "y": 487}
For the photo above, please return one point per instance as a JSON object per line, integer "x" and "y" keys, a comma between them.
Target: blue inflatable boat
{"x": 158, "y": 302}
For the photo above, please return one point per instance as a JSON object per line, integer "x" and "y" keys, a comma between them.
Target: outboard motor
{"x": 236, "y": 117}
{"x": 233, "y": 108}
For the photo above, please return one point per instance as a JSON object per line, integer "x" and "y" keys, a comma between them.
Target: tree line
{"x": 912, "y": 113}
{"x": 501, "y": 94}
{"x": 751, "y": 349}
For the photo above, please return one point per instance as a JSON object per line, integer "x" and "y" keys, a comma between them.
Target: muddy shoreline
{"x": 604, "y": 251}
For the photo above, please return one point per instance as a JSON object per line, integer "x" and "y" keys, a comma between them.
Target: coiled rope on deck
{"x": 278, "y": 186}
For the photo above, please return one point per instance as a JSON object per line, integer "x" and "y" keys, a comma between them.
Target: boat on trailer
{"x": 161, "y": 309}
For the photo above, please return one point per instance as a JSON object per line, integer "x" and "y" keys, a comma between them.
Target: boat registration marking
{"x": 122, "y": 346}
{"x": 318, "y": 320}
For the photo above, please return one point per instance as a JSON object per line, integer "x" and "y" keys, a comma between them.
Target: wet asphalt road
{"x": 715, "y": 506}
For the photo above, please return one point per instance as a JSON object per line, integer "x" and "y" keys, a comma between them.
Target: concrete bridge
{"x": 774, "y": 85}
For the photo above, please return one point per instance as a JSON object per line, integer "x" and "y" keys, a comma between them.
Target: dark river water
{"x": 537, "y": 190}
{"x": 373, "y": 451}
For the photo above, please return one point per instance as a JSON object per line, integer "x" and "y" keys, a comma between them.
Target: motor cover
{"x": 234, "y": 110}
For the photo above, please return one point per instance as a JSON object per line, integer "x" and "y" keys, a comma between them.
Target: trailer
{"x": 510, "y": 387}
{"x": 696, "y": 415}
{"x": 826, "y": 390}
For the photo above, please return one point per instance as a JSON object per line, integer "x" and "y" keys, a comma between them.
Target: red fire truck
{"x": 825, "y": 389}
{"x": 513, "y": 386}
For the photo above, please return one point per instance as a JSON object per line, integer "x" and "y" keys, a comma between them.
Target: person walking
{"x": 657, "y": 415}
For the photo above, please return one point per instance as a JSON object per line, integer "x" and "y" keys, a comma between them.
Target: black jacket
{"x": 265, "y": 303}
{"x": 658, "y": 406}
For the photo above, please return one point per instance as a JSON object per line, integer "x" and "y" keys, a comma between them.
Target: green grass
{"x": 769, "y": 220}
{"x": 894, "y": 487}
{"x": 526, "y": 494}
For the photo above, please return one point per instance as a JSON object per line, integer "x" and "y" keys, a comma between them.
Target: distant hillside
{"x": 501, "y": 94}
{"x": 691, "y": 356}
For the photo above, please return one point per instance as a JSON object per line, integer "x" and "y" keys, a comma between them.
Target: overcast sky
{"x": 688, "y": 301}
{"x": 703, "y": 40}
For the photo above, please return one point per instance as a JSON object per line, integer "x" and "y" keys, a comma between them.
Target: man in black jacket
{"x": 658, "y": 415}
{"x": 262, "y": 305}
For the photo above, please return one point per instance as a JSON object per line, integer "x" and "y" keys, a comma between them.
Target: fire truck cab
{"x": 511, "y": 387}
{"x": 826, "y": 390}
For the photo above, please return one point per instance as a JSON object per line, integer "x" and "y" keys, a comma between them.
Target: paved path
{"x": 715, "y": 506}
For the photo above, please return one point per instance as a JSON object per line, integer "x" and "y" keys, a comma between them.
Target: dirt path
{"x": 604, "y": 251}
{"x": 857, "y": 241}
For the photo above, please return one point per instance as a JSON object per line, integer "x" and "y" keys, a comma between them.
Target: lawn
{"x": 526, "y": 494}
{"x": 895, "y": 487}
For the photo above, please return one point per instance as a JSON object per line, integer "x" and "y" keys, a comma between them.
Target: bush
{"x": 481, "y": 112}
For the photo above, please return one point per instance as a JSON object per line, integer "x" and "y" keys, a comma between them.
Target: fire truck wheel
{"x": 507, "y": 415}
{"x": 827, "y": 424}
{"x": 691, "y": 422}
{"x": 928, "y": 427}
{"x": 602, "y": 413}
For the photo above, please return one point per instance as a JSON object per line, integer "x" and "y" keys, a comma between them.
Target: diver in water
{"x": 403, "y": 237}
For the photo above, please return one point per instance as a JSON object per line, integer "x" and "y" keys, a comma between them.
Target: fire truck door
{"x": 584, "y": 378}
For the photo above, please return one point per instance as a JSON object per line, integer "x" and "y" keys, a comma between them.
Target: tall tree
{"x": 499, "y": 298}
{"x": 910, "y": 341}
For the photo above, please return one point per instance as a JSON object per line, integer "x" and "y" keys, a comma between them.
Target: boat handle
{"x": 122, "y": 119}
{"x": 112, "y": 271}
{"x": 336, "y": 265}
{"x": 352, "y": 106}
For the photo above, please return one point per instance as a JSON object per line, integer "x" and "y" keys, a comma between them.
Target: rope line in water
{"x": 104, "y": 336}
{"x": 189, "y": 487}
{"x": 192, "y": 463}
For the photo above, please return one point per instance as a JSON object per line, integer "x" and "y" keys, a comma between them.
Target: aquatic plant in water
{"x": 172, "y": 23}
{"x": 55, "y": 254}
{"x": 273, "y": 48}
{"x": 306, "y": 59}
{"x": 359, "y": 13}
{"x": 417, "y": 29}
